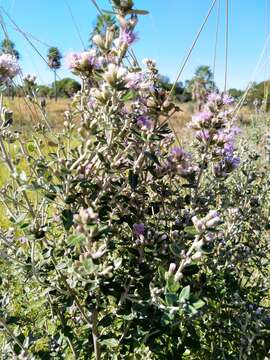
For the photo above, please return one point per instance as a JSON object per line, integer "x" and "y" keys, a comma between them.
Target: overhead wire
{"x": 192, "y": 47}
{"x": 75, "y": 23}
{"x": 216, "y": 37}
{"x": 266, "y": 80}
{"x": 26, "y": 38}
{"x": 226, "y": 46}
{"x": 3, "y": 26}
{"x": 257, "y": 67}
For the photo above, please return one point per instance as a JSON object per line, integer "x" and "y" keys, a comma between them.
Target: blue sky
{"x": 165, "y": 34}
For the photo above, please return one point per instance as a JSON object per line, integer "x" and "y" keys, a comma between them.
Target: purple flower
{"x": 202, "y": 117}
{"x": 227, "y": 136}
{"x": 9, "y": 67}
{"x": 139, "y": 229}
{"x": 227, "y": 165}
{"x": 179, "y": 154}
{"x": 227, "y": 99}
{"x": 133, "y": 80}
{"x": 145, "y": 122}
{"x": 23, "y": 240}
{"x": 72, "y": 60}
{"x": 128, "y": 37}
{"x": 228, "y": 149}
{"x": 234, "y": 131}
{"x": 82, "y": 62}
{"x": 214, "y": 97}
{"x": 92, "y": 103}
{"x": 203, "y": 136}
{"x": 232, "y": 162}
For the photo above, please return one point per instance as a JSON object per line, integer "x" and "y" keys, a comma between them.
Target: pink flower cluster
{"x": 128, "y": 36}
{"x": 9, "y": 68}
{"x": 83, "y": 62}
{"x": 215, "y": 131}
{"x": 180, "y": 163}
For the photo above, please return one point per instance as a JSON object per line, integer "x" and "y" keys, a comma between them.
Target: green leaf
{"x": 128, "y": 96}
{"x": 172, "y": 285}
{"x": 185, "y": 293}
{"x": 133, "y": 180}
{"x": 31, "y": 147}
{"x": 152, "y": 157}
{"x": 198, "y": 304}
{"x": 76, "y": 239}
{"x": 161, "y": 272}
{"x": 89, "y": 266}
{"x": 109, "y": 342}
{"x": 207, "y": 249}
{"x": 175, "y": 249}
{"x": 170, "y": 298}
{"x": 138, "y": 12}
{"x": 191, "y": 310}
{"x": 191, "y": 230}
{"x": 191, "y": 269}
{"x": 67, "y": 218}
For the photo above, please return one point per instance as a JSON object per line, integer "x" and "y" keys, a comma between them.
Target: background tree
{"x": 54, "y": 61}
{"x": 201, "y": 84}
{"x": 8, "y": 47}
{"x": 236, "y": 93}
{"x": 67, "y": 87}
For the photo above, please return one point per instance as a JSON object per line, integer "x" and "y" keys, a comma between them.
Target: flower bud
{"x": 197, "y": 255}
{"x": 99, "y": 41}
{"x": 178, "y": 276}
{"x": 114, "y": 75}
{"x": 199, "y": 224}
{"x": 172, "y": 268}
{"x": 213, "y": 222}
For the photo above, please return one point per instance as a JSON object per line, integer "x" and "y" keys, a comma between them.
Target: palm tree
{"x": 8, "y": 47}
{"x": 201, "y": 85}
{"x": 54, "y": 61}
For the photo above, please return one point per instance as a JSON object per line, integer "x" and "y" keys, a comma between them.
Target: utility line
{"x": 192, "y": 47}
{"x": 26, "y": 38}
{"x": 75, "y": 24}
{"x": 243, "y": 98}
{"x": 226, "y": 46}
{"x": 216, "y": 38}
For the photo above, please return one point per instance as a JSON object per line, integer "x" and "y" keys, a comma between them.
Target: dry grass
{"x": 27, "y": 114}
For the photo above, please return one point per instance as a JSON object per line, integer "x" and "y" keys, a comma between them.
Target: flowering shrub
{"x": 122, "y": 244}
{"x": 9, "y": 68}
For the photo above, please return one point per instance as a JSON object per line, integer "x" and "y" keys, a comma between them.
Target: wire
{"x": 216, "y": 39}
{"x": 226, "y": 46}
{"x": 242, "y": 100}
{"x": 192, "y": 47}
{"x": 75, "y": 24}
{"x": 266, "y": 81}
{"x": 26, "y": 37}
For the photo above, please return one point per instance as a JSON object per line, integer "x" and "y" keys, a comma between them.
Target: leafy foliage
{"x": 121, "y": 245}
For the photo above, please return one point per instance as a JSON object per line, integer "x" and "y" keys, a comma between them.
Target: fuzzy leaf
{"x": 185, "y": 293}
